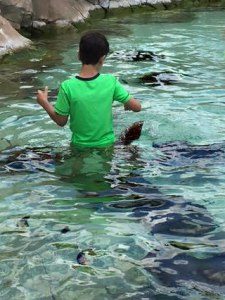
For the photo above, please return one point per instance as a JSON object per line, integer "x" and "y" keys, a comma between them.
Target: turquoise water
{"x": 150, "y": 216}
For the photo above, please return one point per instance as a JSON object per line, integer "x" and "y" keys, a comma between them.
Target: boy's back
{"x": 88, "y": 101}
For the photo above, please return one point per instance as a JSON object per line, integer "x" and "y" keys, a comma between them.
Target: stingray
{"x": 159, "y": 78}
{"x": 176, "y": 219}
{"x": 187, "y": 150}
{"x": 136, "y": 55}
{"x": 146, "y": 55}
{"x": 184, "y": 223}
{"x": 185, "y": 267}
{"x": 182, "y": 154}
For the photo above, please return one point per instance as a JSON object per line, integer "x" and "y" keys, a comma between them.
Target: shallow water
{"x": 150, "y": 216}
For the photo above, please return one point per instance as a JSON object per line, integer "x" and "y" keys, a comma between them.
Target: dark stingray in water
{"x": 170, "y": 215}
{"x": 146, "y": 55}
{"x": 184, "y": 223}
{"x": 185, "y": 154}
{"x": 174, "y": 216}
{"x": 163, "y": 214}
{"x": 29, "y": 159}
{"x": 159, "y": 78}
{"x": 136, "y": 55}
{"x": 185, "y": 267}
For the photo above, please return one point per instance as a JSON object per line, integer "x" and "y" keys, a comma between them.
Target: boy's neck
{"x": 88, "y": 71}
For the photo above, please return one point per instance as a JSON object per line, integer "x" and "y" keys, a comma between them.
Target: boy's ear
{"x": 102, "y": 59}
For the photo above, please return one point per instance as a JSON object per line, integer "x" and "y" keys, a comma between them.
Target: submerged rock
{"x": 23, "y": 222}
{"x": 91, "y": 194}
{"x": 189, "y": 246}
{"x": 65, "y": 229}
{"x": 81, "y": 259}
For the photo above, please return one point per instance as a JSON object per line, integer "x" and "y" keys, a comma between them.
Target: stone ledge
{"x": 34, "y": 15}
{"x": 23, "y": 13}
{"x": 10, "y": 39}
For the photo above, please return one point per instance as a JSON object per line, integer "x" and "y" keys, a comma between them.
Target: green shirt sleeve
{"x": 62, "y": 105}
{"x": 120, "y": 94}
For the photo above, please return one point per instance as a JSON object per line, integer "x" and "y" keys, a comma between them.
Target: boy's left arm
{"x": 123, "y": 96}
{"x": 42, "y": 99}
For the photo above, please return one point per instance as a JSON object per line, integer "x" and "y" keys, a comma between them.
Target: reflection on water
{"x": 148, "y": 216}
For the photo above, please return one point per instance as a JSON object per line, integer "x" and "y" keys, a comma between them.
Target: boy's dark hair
{"x": 93, "y": 45}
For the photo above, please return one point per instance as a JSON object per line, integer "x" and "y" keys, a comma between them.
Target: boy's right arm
{"x": 42, "y": 99}
{"x": 133, "y": 104}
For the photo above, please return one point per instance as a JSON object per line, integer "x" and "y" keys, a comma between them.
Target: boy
{"x": 87, "y": 98}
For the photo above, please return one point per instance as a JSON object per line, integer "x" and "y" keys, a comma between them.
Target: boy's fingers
{"x": 46, "y": 89}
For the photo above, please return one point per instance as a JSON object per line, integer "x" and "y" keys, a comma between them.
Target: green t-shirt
{"x": 88, "y": 102}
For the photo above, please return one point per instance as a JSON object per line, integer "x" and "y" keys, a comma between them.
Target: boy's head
{"x": 92, "y": 47}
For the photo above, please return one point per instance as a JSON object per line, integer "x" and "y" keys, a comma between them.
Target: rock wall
{"x": 35, "y": 14}
{"x": 16, "y": 11}
{"x": 27, "y": 13}
{"x": 10, "y": 39}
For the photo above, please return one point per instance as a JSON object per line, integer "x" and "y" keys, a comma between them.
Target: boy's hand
{"x": 133, "y": 104}
{"x": 42, "y": 96}
{"x": 42, "y": 99}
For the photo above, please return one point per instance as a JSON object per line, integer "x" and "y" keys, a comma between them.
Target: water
{"x": 149, "y": 217}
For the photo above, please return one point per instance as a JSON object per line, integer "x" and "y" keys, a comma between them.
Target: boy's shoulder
{"x": 67, "y": 81}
